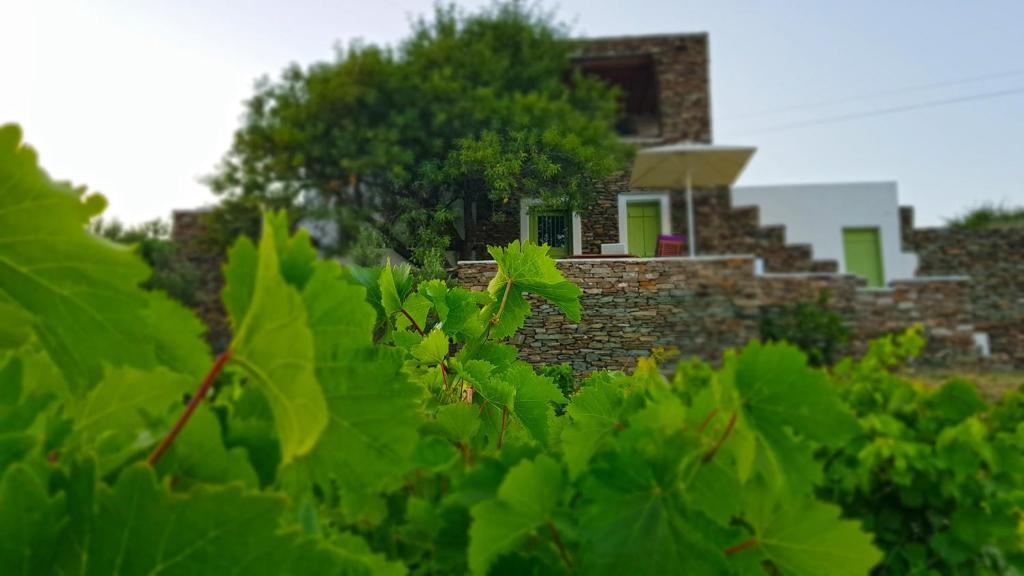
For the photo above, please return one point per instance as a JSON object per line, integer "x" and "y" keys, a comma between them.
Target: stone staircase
{"x": 725, "y": 229}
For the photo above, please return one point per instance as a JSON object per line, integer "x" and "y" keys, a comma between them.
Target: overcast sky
{"x": 139, "y": 98}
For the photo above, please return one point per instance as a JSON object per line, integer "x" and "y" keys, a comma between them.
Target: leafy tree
{"x": 813, "y": 327}
{"x": 989, "y": 216}
{"x": 466, "y": 114}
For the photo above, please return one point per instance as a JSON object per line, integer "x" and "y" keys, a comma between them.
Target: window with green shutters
{"x": 643, "y": 227}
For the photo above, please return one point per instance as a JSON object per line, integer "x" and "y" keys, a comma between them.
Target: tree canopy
{"x": 427, "y": 139}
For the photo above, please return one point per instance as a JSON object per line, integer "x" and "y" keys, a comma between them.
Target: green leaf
{"x": 433, "y": 348}
{"x": 240, "y": 280}
{"x": 526, "y": 500}
{"x": 535, "y": 396}
{"x": 140, "y": 528}
{"x": 295, "y": 252}
{"x": 338, "y": 314}
{"x": 124, "y": 406}
{"x": 30, "y": 522}
{"x": 780, "y": 390}
{"x": 955, "y": 401}
{"x": 780, "y": 393}
{"x": 199, "y": 455}
{"x": 808, "y": 538}
{"x": 81, "y": 291}
{"x": 373, "y": 425}
{"x": 275, "y": 346}
{"x": 595, "y": 413}
{"x": 15, "y": 326}
{"x": 178, "y": 337}
{"x": 633, "y": 522}
{"x": 460, "y": 422}
{"x": 529, "y": 268}
{"x": 391, "y": 298}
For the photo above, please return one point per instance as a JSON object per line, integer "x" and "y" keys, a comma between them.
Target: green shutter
{"x": 862, "y": 251}
{"x": 643, "y": 226}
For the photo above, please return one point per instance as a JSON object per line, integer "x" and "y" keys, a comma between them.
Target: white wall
{"x": 816, "y": 214}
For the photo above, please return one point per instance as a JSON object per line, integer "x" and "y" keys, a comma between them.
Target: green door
{"x": 643, "y": 225}
{"x": 862, "y": 249}
{"x": 552, "y": 227}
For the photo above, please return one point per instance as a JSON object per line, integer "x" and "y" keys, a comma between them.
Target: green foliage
{"x": 936, "y": 474}
{"x": 811, "y": 326}
{"x": 366, "y": 424}
{"x": 989, "y": 216}
{"x": 470, "y": 109}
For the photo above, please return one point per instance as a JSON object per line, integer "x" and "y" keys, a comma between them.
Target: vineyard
{"x": 363, "y": 423}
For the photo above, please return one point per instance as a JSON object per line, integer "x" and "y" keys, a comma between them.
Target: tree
{"x": 466, "y": 114}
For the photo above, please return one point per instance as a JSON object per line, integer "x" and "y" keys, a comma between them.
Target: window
{"x": 635, "y": 77}
{"x": 551, "y": 227}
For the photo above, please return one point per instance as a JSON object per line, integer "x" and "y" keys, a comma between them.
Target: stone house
{"x": 757, "y": 247}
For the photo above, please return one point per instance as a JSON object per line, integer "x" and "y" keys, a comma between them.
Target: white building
{"x": 855, "y": 224}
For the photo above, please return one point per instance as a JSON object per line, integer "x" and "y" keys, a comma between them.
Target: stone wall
{"x": 705, "y": 305}
{"x": 187, "y": 232}
{"x": 994, "y": 259}
{"x": 681, "y": 71}
{"x": 941, "y": 305}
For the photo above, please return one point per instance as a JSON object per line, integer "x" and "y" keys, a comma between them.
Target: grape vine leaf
{"x": 805, "y": 537}
{"x": 139, "y": 528}
{"x": 633, "y": 521}
{"x": 459, "y": 422}
{"x": 534, "y": 400}
{"x": 373, "y": 425}
{"x": 595, "y": 414}
{"x": 433, "y": 348}
{"x": 275, "y": 347}
{"x": 82, "y": 291}
{"x": 526, "y": 500}
{"x": 526, "y": 267}
{"x": 30, "y": 521}
{"x": 178, "y": 336}
{"x": 239, "y": 280}
{"x": 779, "y": 393}
{"x": 128, "y": 411}
{"x": 339, "y": 315}
{"x": 199, "y": 455}
{"x": 15, "y": 326}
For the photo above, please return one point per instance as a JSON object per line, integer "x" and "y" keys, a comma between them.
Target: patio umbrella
{"x": 687, "y": 165}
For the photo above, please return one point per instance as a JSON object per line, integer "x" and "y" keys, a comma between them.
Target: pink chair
{"x": 670, "y": 245}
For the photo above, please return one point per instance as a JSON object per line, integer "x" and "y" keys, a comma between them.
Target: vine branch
{"x": 558, "y": 544}
{"x": 501, "y": 309}
{"x": 504, "y": 420}
{"x": 721, "y": 440}
{"x": 411, "y": 321}
{"x": 740, "y": 547}
{"x": 201, "y": 392}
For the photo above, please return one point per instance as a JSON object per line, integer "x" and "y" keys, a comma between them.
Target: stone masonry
{"x": 705, "y": 305}
{"x": 994, "y": 259}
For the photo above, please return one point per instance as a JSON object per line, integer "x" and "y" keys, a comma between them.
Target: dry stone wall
{"x": 994, "y": 260}
{"x": 705, "y": 305}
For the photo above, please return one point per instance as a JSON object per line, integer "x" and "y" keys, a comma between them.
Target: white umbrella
{"x": 688, "y": 164}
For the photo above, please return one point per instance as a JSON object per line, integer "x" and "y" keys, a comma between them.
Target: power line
{"x": 882, "y": 93}
{"x": 885, "y": 111}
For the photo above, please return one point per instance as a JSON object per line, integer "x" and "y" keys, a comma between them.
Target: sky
{"x": 138, "y": 99}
